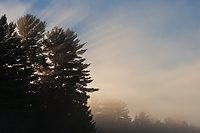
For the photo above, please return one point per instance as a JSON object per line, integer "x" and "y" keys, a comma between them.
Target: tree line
{"x": 44, "y": 79}
{"x": 112, "y": 116}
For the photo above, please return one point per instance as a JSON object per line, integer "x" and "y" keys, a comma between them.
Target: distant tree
{"x": 180, "y": 127}
{"x": 158, "y": 127}
{"x": 107, "y": 114}
{"x": 142, "y": 123}
{"x": 111, "y": 116}
{"x": 184, "y": 127}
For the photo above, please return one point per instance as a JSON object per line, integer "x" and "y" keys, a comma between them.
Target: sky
{"x": 143, "y": 52}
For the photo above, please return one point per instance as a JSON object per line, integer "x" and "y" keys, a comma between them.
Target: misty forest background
{"x": 44, "y": 87}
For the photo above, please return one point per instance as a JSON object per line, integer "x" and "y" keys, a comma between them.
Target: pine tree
{"x": 44, "y": 80}
{"x": 65, "y": 98}
{"x": 68, "y": 67}
{"x": 31, "y": 32}
{"x": 142, "y": 123}
{"x": 14, "y": 103}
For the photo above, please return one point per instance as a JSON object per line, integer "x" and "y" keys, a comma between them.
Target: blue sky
{"x": 145, "y": 52}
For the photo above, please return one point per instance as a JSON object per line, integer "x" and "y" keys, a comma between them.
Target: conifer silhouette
{"x": 43, "y": 79}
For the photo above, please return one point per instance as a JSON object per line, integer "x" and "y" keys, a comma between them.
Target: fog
{"x": 112, "y": 115}
{"x": 143, "y": 53}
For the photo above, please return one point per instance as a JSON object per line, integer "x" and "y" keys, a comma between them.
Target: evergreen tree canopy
{"x": 67, "y": 70}
{"x": 14, "y": 99}
{"x": 44, "y": 79}
{"x": 65, "y": 83}
{"x": 30, "y": 27}
{"x": 31, "y": 31}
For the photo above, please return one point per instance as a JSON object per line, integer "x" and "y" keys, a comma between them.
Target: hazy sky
{"x": 144, "y": 52}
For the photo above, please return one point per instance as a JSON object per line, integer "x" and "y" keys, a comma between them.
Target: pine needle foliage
{"x": 43, "y": 79}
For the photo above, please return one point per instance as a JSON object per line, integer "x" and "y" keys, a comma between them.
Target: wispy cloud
{"x": 145, "y": 54}
{"x": 59, "y": 13}
{"x": 13, "y": 9}
{"x": 149, "y": 59}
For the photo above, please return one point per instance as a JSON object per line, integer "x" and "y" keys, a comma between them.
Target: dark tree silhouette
{"x": 31, "y": 60}
{"x": 14, "y": 100}
{"x": 67, "y": 66}
{"x": 43, "y": 80}
{"x": 64, "y": 104}
{"x": 31, "y": 32}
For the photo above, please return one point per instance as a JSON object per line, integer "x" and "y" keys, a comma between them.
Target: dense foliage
{"x": 43, "y": 79}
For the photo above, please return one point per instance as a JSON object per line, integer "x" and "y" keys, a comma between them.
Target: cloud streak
{"x": 61, "y": 14}
{"x": 136, "y": 59}
{"x": 145, "y": 54}
{"x": 13, "y": 9}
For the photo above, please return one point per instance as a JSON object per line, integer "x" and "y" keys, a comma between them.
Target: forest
{"x": 112, "y": 116}
{"x": 44, "y": 86}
